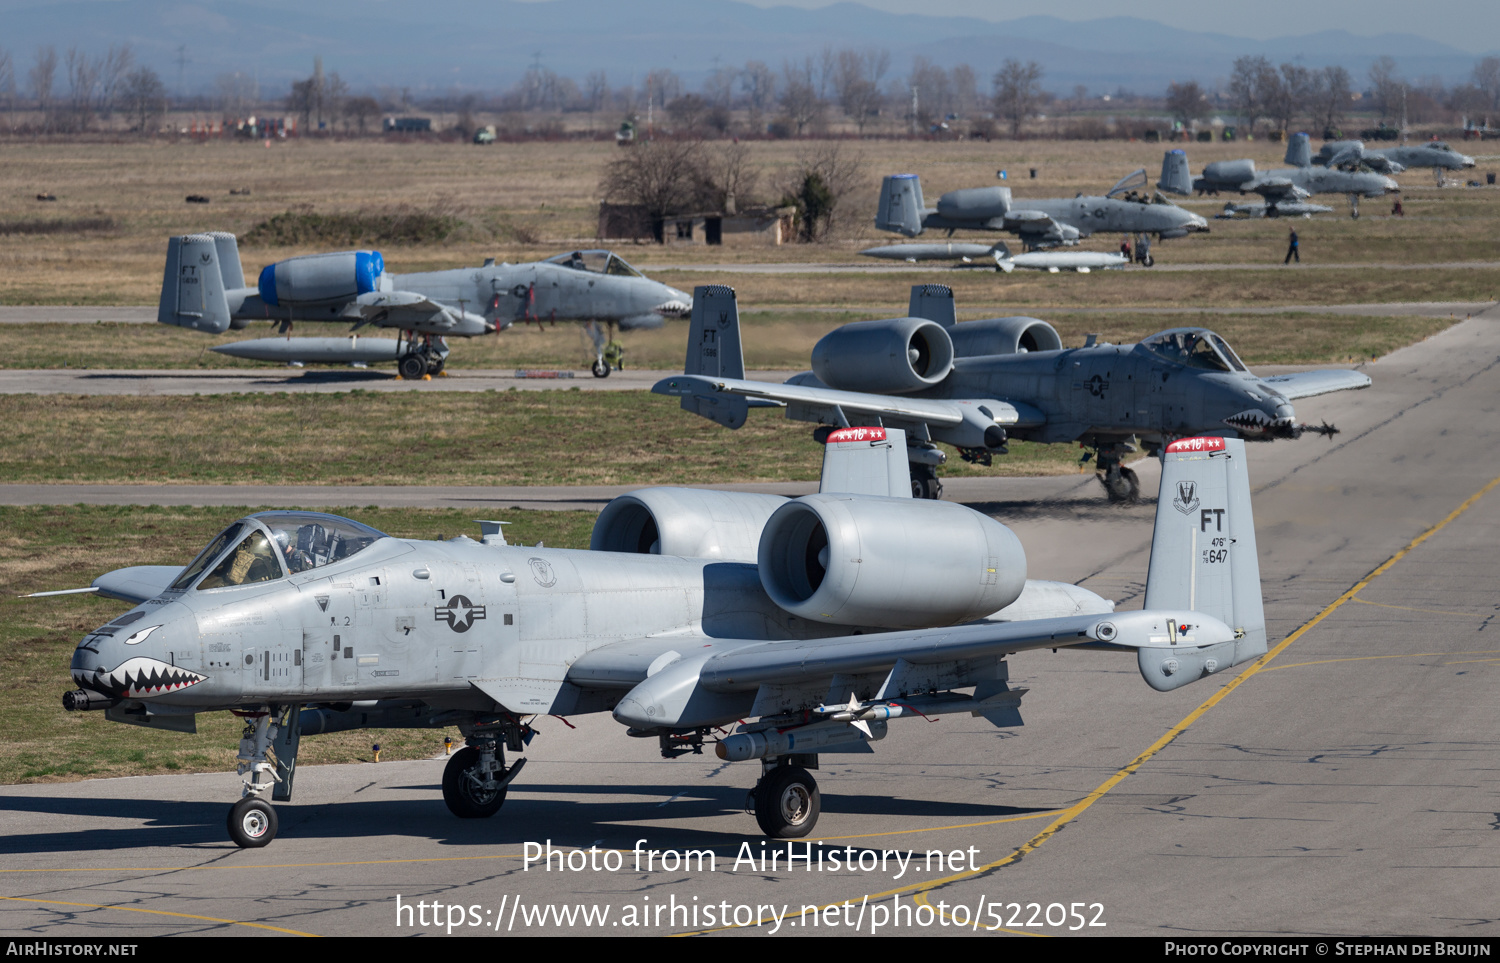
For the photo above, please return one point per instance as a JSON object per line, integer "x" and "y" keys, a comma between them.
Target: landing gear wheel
{"x": 1133, "y": 482}
{"x": 435, "y": 366}
{"x": 462, "y": 789}
{"x": 412, "y": 366}
{"x": 924, "y": 482}
{"x": 600, "y": 369}
{"x": 1150, "y": 261}
{"x": 252, "y": 823}
{"x": 787, "y": 803}
{"x": 1121, "y": 484}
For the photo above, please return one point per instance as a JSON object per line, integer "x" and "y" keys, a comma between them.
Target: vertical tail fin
{"x": 192, "y": 286}
{"x": 1299, "y": 150}
{"x": 228, "y": 250}
{"x": 866, "y": 461}
{"x": 1203, "y": 558}
{"x": 933, "y": 302}
{"x": 901, "y": 206}
{"x": 714, "y": 351}
{"x": 1176, "y": 176}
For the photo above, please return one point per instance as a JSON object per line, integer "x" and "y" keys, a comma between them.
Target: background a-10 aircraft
{"x": 203, "y": 288}
{"x": 813, "y": 622}
{"x": 975, "y": 385}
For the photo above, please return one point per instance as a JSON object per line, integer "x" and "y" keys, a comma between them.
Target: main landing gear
{"x": 786, "y": 801}
{"x": 1120, "y": 483}
{"x": 424, "y": 357}
{"x": 475, "y": 780}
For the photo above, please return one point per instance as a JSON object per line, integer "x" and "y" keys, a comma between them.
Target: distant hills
{"x": 486, "y": 45}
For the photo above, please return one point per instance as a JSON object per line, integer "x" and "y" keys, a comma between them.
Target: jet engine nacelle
{"x": 1003, "y": 336}
{"x": 688, "y": 522}
{"x": 321, "y": 278}
{"x": 892, "y": 356}
{"x": 1230, "y": 171}
{"x": 889, "y": 562}
{"x": 975, "y": 203}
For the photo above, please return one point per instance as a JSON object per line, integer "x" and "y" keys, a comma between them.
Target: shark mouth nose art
{"x": 1254, "y": 422}
{"x": 138, "y": 678}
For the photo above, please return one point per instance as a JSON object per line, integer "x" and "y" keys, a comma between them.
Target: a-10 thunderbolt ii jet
{"x": 204, "y": 289}
{"x": 978, "y": 384}
{"x": 1040, "y": 223}
{"x": 982, "y": 255}
{"x": 1353, "y": 155}
{"x": 1285, "y": 190}
{"x": 811, "y": 622}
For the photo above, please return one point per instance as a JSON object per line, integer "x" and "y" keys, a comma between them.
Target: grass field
{"x": 777, "y": 339}
{"x": 522, "y": 201}
{"x": 458, "y": 438}
{"x": 46, "y": 548}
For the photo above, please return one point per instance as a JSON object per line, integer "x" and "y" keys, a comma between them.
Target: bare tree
{"x": 335, "y": 93}
{"x": 362, "y": 109}
{"x": 819, "y": 186}
{"x": 1385, "y": 85}
{"x": 857, "y": 80}
{"x": 112, "y": 71}
{"x": 1332, "y": 91}
{"x": 596, "y": 90}
{"x": 42, "y": 77}
{"x": 144, "y": 96}
{"x": 661, "y": 177}
{"x": 1018, "y": 92}
{"x": 1487, "y": 79}
{"x": 8, "y": 83}
{"x": 83, "y": 77}
{"x": 729, "y": 178}
{"x": 799, "y": 98}
{"x": 1186, "y": 102}
{"x": 1290, "y": 95}
{"x": 1250, "y": 85}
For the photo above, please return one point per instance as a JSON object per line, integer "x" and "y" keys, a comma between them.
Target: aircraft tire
{"x": 464, "y": 799}
{"x": 1133, "y": 481}
{"x": 252, "y": 823}
{"x": 1123, "y": 489}
{"x": 436, "y": 365}
{"x": 925, "y": 483}
{"x": 787, "y": 803}
{"x": 412, "y": 366}
{"x": 600, "y": 369}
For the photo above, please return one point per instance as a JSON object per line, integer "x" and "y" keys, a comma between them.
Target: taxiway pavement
{"x": 1346, "y": 785}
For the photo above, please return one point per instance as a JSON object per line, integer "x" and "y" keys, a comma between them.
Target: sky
{"x": 1472, "y": 25}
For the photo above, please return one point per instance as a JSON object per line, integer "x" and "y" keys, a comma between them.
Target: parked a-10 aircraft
{"x": 204, "y": 289}
{"x": 1039, "y": 222}
{"x": 820, "y": 618}
{"x": 1285, "y": 190}
{"x": 978, "y": 384}
{"x": 1353, "y": 154}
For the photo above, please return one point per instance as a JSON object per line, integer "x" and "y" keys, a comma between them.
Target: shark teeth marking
{"x": 1253, "y": 422}
{"x": 139, "y": 677}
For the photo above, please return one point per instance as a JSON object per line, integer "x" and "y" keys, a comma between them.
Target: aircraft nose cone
{"x": 132, "y": 661}
{"x": 675, "y": 304}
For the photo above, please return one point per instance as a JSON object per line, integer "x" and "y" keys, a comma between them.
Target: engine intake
{"x": 890, "y": 357}
{"x": 975, "y": 203}
{"x": 889, "y": 562}
{"x": 1003, "y": 336}
{"x": 687, "y": 522}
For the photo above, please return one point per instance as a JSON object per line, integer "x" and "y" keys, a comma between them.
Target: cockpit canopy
{"x": 1195, "y": 348}
{"x": 596, "y": 262}
{"x": 267, "y": 546}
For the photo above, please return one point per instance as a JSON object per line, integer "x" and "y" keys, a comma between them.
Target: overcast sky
{"x": 1472, "y": 25}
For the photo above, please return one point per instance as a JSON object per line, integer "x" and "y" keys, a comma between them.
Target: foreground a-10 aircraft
{"x": 204, "y": 288}
{"x": 1040, "y": 223}
{"x": 1284, "y": 190}
{"x": 978, "y": 384}
{"x": 811, "y": 622}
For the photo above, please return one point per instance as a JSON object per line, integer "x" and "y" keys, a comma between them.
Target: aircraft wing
{"x": 406, "y": 309}
{"x": 1276, "y": 189}
{"x": 834, "y": 402}
{"x": 1305, "y": 384}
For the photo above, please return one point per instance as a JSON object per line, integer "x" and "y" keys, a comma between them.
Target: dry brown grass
{"x": 550, "y": 192}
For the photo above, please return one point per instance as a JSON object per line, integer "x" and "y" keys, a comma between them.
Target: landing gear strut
{"x": 252, "y": 821}
{"x": 786, "y": 801}
{"x": 1120, "y": 483}
{"x": 476, "y": 779}
{"x": 427, "y": 357}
